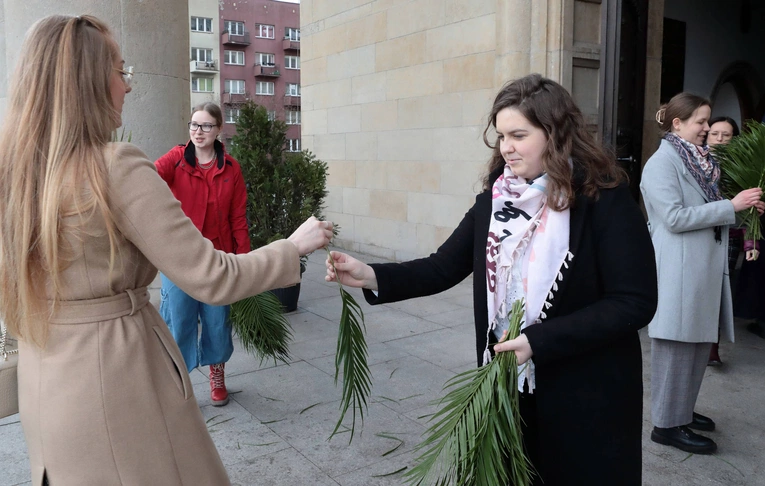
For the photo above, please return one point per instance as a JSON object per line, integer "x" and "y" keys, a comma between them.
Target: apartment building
{"x": 204, "y": 58}
{"x": 260, "y": 44}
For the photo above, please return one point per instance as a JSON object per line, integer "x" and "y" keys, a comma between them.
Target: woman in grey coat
{"x": 687, "y": 218}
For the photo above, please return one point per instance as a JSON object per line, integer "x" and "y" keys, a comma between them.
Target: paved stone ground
{"x": 275, "y": 429}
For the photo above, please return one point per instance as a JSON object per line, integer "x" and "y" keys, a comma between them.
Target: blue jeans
{"x": 182, "y": 313}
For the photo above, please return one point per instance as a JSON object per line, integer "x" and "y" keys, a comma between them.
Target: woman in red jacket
{"x": 209, "y": 184}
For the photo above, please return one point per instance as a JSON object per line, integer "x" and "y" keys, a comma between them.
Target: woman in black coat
{"x": 589, "y": 282}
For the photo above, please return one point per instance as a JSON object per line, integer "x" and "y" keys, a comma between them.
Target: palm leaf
{"x": 476, "y": 438}
{"x": 742, "y": 163}
{"x": 262, "y": 328}
{"x": 351, "y": 357}
{"x": 121, "y": 136}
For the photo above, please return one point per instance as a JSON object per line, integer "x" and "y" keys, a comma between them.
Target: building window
{"x": 265, "y": 59}
{"x": 271, "y": 115}
{"x": 264, "y": 88}
{"x": 201, "y": 85}
{"x": 292, "y": 34}
{"x": 292, "y": 116}
{"x": 201, "y": 55}
{"x": 234, "y": 86}
{"x": 265, "y": 31}
{"x": 233, "y": 57}
{"x": 293, "y": 89}
{"x": 293, "y": 145}
{"x": 232, "y": 115}
{"x": 201, "y": 24}
{"x": 234, "y": 27}
{"x": 292, "y": 62}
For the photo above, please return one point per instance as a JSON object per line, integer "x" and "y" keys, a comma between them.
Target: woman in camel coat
{"x": 104, "y": 395}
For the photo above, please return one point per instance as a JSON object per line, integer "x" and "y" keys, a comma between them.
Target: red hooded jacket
{"x": 179, "y": 169}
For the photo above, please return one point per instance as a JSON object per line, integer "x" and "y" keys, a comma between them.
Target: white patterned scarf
{"x": 521, "y": 220}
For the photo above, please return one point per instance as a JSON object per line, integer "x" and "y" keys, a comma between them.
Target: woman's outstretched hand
{"x": 520, "y": 345}
{"x": 350, "y": 271}
{"x": 311, "y": 235}
{"x": 748, "y": 198}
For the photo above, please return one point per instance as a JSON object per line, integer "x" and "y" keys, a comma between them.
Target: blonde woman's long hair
{"x": 59, "y": 118}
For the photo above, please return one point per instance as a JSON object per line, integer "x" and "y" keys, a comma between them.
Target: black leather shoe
{"x": 701, "y": 422}
{"x": 684, "y": 439}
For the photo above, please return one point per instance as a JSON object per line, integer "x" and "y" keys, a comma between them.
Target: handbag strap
{"x": 3, "y": 339}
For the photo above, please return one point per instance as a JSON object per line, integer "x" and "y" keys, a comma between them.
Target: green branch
{"x": 262, "y": 328}
{"x": 476, "y": 438}
{"x": 742, "y": 163}
{"x": 351, "y": 357}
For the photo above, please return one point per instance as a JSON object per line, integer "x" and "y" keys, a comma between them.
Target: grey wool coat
{"x": 107, "y": 400}
{"x": 692, "y": 267}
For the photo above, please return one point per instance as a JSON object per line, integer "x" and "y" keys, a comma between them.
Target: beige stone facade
{"x": 154, "y": 38}
{"x": 396, "y": 95}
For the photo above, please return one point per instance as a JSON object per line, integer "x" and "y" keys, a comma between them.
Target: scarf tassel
{"x": 486, "y": 356}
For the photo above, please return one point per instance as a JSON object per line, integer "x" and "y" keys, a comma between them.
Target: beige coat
{"x": 108, "y": 400}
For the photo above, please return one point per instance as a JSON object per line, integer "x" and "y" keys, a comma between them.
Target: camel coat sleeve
{"x": 150, "y": 217}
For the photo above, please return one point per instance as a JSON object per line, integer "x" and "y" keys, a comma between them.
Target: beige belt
{"x": 126, "y": 303}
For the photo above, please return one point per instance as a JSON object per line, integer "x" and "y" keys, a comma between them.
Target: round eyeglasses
{"x": 127, "y": 75}
{"x": 206, "y": 127}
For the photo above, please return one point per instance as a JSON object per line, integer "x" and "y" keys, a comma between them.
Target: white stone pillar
{"x": 154, "y": 37}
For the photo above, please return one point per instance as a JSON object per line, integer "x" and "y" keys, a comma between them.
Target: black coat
{"x": 589, "y": 390}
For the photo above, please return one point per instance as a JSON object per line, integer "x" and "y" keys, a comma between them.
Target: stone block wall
{"x": 395, "y": 98}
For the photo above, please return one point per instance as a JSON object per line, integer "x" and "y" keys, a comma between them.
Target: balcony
{"x": 236, "y": 39}
{"x": 267, "y": 70}
{"x": 203, "y": 66}
{"x": 235, "y": 98}
{"x": 291, "y": 100}
{"x": 290, "y": 45}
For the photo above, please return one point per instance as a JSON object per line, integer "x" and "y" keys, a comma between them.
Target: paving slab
{"x": 309, "y": 433}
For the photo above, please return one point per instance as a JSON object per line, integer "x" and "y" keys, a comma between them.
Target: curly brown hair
{"x": 548, "y": 106}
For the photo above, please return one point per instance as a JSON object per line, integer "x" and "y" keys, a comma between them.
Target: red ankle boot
{"x": 714, "y": 356}
{"x": 218, "y": 392}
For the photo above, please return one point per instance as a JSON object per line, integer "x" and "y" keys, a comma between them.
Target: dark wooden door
{"x": 624, "y": 84}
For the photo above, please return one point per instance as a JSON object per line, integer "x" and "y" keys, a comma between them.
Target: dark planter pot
{"x": 288, "y": 296}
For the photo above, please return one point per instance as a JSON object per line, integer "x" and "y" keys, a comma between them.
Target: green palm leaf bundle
{"x": 262, "y": 328}
{"x": 351, "y": 357}
{"x": 742, "y": 163}
{"x": 476, "y": 438}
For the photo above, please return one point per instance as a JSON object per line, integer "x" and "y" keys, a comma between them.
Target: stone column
{"x": 154, "y": 37}
{"x": 534, "y": 36}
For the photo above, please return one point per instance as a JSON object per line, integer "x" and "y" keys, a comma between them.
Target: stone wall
{"x": 396, "y": 95}
{"x": 154, "y": 37}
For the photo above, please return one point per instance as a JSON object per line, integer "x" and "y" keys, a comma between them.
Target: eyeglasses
{"x": 127, "y": 75}
{"x": 206, "y": 127}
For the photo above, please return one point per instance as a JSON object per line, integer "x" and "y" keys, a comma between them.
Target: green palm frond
{"x": 476, "y": 438}
{"x": 262, "y": 328}
{"x": 121, "y": 136}
{"x": 742, "y": 163}
{"x": 351, "y": 356}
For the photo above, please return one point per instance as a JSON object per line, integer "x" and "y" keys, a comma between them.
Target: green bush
{"x": 283, "y": 188}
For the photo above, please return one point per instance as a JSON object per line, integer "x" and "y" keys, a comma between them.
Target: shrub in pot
{"x": 283, "y": 188}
